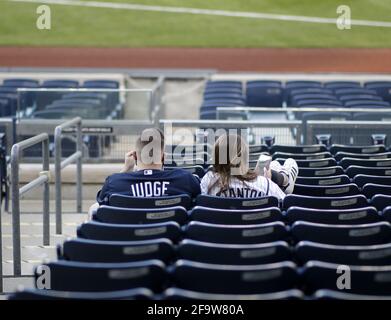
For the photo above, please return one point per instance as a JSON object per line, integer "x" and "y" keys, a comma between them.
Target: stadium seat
{"x": 234, "y": 279}
{"x": 353, "y": 235}
{"x": 371, "y": 189}
{"x": 41, "y": 294}
{"x": 371, "y": 116}
{"x": 236, "y": 234}
{"x": 346, "y": 162}
{"x": 298, "y": 149}
{"x": 366, "y": 255}
{"x": 325, "y": 181}
{"x": 128, "y": 232}
{"x": 321, "y": 172}
{"x": 362, "y": 179}
{"x": 366, "y": 104}
{"x": 321, "y": 163}
{"x": 338, "y": 295}
{"x": 234, "y": 254}
{"x": 304, "y": 156}
{"x": 381, "y": 201}
{"x": 337, "y": 85}
{"x": 109, "y": 84}
{"x": 349, "y": 202}
{"x": 371, "y": 280}
{"x": 353, "y": 171}
{"x": 181, "y": 294}
{"x": 357, "y": 149}
{"x": 354, "y": 91}
{"x": 236, "y": 203}
{"x": 340, "y": 155}
{"x": 118, "y": 200}
{"x": 95, "y": 277}
{"x": 329, "y": 216}
{"x": 382, "y": 88}
{"x": 118, "y": 215}
{"x": 326, "y": 191}
{"x": 86, "y": 250}
{"x": 234, "y": 216}
{"x": 386, "y": 214}
{"x": 264, "y": 95}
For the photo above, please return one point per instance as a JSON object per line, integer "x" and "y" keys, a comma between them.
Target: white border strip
{"x": 223, "y": 13}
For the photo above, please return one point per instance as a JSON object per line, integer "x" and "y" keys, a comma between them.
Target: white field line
{"x": 223, "y": 13}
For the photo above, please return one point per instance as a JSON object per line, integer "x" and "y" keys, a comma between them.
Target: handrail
{"x": 60, "y": 164}
{"x": 17, "y": 192}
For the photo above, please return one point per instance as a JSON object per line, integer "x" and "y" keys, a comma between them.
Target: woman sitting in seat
{"x": 231, "y": 176}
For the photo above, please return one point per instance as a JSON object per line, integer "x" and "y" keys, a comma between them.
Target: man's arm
{"x": 130, "y": 161}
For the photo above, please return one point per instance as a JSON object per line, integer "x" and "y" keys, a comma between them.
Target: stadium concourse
{"x": 63, "y": 133}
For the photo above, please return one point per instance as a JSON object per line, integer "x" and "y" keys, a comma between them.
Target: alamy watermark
{"x": 44, "y": 19}
{"x": 344, "y": 21}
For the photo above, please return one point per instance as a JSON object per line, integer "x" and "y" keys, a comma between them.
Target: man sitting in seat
{"x": 231, "y": 176}
{"x": 143, "y": 174}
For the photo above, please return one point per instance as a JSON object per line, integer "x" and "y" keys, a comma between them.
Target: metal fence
{"x": 60, "y": 164}
{"x": 43, "y": 179}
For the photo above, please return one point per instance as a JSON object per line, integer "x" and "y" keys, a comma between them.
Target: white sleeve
{"x": 275, "y": 190}
{"x": 205, "y": 182}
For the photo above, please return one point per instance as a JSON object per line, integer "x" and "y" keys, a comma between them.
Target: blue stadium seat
{"x": 338, "y": 295}
{"x": 86, "y": 250}
{"x": 366, "y": 104}
{"x": 298, "y": 149}
{"x": 353, "y": 171}
{"x": 327, "y": 191}
{"x": 367, "y": 279}
{"x": 366, "y": 255}
{"x": 236, "y": 203}
{"x": 349, "y": 202}
{"x": 95, "y": 277}
{"x": 264, "y": 95}
{"x": 234, "y": 254}
{"x": 362, "y": 179}
{"x": 353, "y": 97}
{"x": 236, "y": 234}
{"x": 337, "y": 85}
{"x": 386, "y": 214}
{"x": 119, "y": 215}
{"x": 60, "y": 83}
{"x": 234, "y": 279}
{"x": 321, "y": 163}
{"x": 20, "y": 82}
{"x": 346, "y": 162}
{"x": 129, "y": 232}
{"x": 357, "y": 149}
{"x": 382, "y": 88}
{"x": 340, "y": 155}
{"x": 330, "y": 216}
{"x": 353, "y": 235}
{"x": 42, "y": 294}
{"x": 109, "y": 84}
{"x": 233, "y": 216}
{"x": 181, "y": 294}
{"x": 321, "y": 172}
{"x": 371, "y": 116}
{"x": 303, "y": 156}
{"x": 354, "y": 91}
{"x": 381, "y": 201}
{"x": 118, "y": 200}
{"x": 323, "y": 181}
{"x": 258, "y": 148}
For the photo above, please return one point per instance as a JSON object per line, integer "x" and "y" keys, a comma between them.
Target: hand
{"x": 130, "y": 161}
{"x": 267, "y": 173}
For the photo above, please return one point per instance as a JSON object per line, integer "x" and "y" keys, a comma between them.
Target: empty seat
{"x": 362, "y": 179}
{"x": 371, "y": 189}
{"x": 234, "y": 279}
{"x": 349, "y": 202}
{"x": 340, "y": 155}
{"x": 109, "y": 84}
{"x": 366, "y": 104}
{"x": 341, "y": 84}
{"x": 232, "y": 216}
{"x": 325, "y": 181}
{"x": 39, "y": 294}
{"x": 338, "y": 295}
{"x": 304, "y": 156}
{"x": 110, "y": 214}
{"x": 85, "y": 250}
{"x": 236, "y": 203}
{"x": 298, "y": 149}
{"x": 386, "y": 214}
{"x": 353, "y": 171}
{"x": 240, "y": 254}
{"x": 236, "y": 234}
{"x": 326, "y": 191}
{"x": 373, "y": 280}
{"x": 60, "y": 83}
{"x": 354, "y": 235}
{"x": 382, "y": 88}
{"x": 321, "y": 163}
{"x": 354, "y": 91}
{"x": 346, "y": 162}
{"x": 128, "y": 232}
{"x": 350, "y": 97}
{"x": 264, "y": 95}
{"x": 321, "y": 172}
{"x": 366, "y": 255}
{"x": 93, "y": 277}
{"x": 118, "y": 200}
{"x": 181, "y": 294}
{"x": 328, "y": 216}
{"x": 381, "y": 201}
{"x": 357, "y": 149}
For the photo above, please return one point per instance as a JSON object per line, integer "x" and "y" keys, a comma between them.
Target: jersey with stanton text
{"x": 259, "y": 187}
{"x": 150, "y": 183}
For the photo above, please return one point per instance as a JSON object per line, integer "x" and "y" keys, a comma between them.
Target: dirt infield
{"x": 258, "y": 60}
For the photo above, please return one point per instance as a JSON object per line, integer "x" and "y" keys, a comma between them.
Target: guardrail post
{"x": 15, "y": 209}
{"x": 46, "y": 194}
{"x": 79, "y": 179}
{"x": 57, "y": 172}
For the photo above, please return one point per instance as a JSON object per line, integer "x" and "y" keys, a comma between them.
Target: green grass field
{"x": 103, "y": 27}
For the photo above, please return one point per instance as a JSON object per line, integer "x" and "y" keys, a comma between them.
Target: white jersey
{"x": 260, "y": 187}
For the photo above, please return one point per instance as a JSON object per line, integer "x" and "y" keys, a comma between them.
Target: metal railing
{"x": 43, "y": 179}
{"x": 157, "y": 106}
{"x": 60, "y": 164}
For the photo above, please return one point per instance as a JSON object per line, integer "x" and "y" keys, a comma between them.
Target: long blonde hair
{"x": 230, "y": 157}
